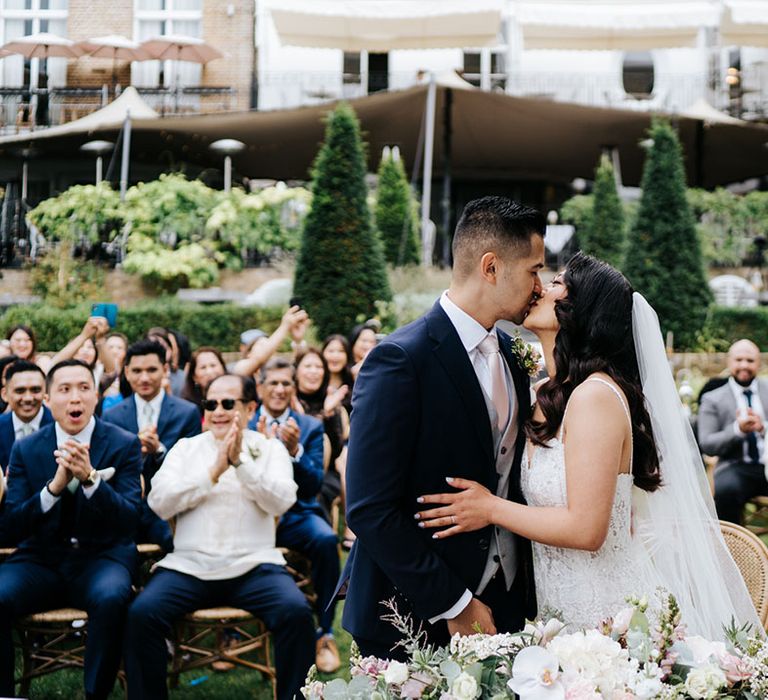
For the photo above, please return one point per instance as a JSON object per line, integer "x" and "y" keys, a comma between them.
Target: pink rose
{"x": 734, "y": 668}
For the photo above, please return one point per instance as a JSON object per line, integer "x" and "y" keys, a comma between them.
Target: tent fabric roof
{"x": 494, "y": 136}
{"x": 356, "y": 25}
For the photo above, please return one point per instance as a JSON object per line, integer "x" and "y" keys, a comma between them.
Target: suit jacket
{"x": 8, "y": 435}
{"x": 308, "y": 471}
{"x": 178, "y": 419}
{"x": 419, "y": 415}
{"x": 717, "y": 414}
{"x": 103, "y": 524}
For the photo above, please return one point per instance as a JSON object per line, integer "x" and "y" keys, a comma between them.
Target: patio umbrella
{"x": 116, "y": 47}
{"x": 43, "y": 45}
{"x": 174, "y": 47}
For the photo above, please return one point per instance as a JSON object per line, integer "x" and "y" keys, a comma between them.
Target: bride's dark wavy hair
{"x": 596, "y": 336}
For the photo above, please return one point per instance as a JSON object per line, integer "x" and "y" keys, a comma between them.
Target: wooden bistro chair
{"x": 193, "y": 647}
{"x": 751, "y": 556}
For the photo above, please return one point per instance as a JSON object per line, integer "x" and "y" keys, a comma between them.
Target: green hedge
{"x": 730, "y": 324}
{"x": 219, "y": 325}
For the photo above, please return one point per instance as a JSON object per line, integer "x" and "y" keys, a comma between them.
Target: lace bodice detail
{"x": 586, "y": 587}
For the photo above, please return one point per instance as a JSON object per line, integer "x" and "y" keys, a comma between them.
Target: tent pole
{"x": 446, "y": 203}
{"x": 426, "y": 190}
{"x": 126, "y": 155}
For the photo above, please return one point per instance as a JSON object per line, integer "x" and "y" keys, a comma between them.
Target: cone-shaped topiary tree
{"x": 606, "y": 237}
{"x": 394, "y": 213}
{"x": 664, "y": 259}
{"x": 340, "y": 272}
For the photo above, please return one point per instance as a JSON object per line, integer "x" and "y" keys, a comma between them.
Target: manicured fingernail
{"x": 435, "y": 536}
{"x": 420, "y": 499}
{"x": 422, "y": 524}
{"x": 449, "y": 479}
{"x": 416, "y": 516}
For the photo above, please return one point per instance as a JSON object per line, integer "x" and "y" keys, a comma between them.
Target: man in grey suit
{"x": 731, "y": 427}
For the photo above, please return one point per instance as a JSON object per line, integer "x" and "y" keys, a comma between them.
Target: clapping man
{"x": 731, "y": 426}
{"x": 158, "y": 418}
{"x": 224, "y": 487}
{"x": 73, "y": 503}
{"x": 304, "y": 527}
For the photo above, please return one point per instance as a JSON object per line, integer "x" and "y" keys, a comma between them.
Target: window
{"x": 155, "y": 18}
{"x": 378, "y": 72}
{"x": 24, "y": 17}
{"x": 487, "y": 68}
{"x": 638, "y": 74}
{"x": 351, "y": 68}
{"x": 473, "y": 67}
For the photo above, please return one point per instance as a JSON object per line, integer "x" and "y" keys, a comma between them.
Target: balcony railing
{"x": 24, "y": 109}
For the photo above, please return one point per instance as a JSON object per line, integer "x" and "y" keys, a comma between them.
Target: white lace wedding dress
{"x": 586, "y": 587}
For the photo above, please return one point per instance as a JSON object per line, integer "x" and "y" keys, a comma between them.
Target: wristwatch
{"x": 91, "y": 480}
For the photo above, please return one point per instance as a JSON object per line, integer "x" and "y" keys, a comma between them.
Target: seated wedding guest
{"x": 362, "y": 340}
{"x": 23, "y": 344}
{"x": 338, "y": 356}
{"x": 89, "y": 347}
{"x": 183, "y": 349}
{"x": 731, "y": 427}
{"x": 116, "y": 344}
{"x": 159, "y": 419}
{"x": 225, "y": 488}
{"x": 205, "y": 365}
{"x": 314, "y": 399}
{"x": 73, "y": 503}
{"x": 293, "y": 324}
{"x": 23, "y": 390}
{"x": 304, "y": 527}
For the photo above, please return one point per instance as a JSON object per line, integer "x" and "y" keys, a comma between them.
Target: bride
{"x": 618, "y": 502}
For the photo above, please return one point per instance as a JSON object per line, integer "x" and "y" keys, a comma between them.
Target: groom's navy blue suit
{"x": 418, "y": 416}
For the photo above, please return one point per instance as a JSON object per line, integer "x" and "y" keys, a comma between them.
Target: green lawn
{"x": 234, "y": 685}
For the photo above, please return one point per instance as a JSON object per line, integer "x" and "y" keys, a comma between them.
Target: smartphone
{"x": 295, "y": 301}
{"x": 108, "y": 311}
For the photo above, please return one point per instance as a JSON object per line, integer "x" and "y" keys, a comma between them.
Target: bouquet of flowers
{"x": 637, "y": 654}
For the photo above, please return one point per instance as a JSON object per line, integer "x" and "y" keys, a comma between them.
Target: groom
{"x": 445, "y": 397}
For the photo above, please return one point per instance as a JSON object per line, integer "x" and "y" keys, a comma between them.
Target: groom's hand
{"x": 476, "y": 615}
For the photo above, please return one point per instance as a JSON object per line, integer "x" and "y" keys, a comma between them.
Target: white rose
{"x": 704, "y": 683}
{"x": 622, "y": 620}
{"x": 464, "y": 687}
{"x": 396, "y": 673}
{"x": 648, "y": 688}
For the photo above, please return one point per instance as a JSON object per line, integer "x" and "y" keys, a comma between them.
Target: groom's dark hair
{"x": 497, "y": 224}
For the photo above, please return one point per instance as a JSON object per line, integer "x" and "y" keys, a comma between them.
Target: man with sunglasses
{"x": 158, "y": 419}
{"x": 225, "y": 488}
{"x": 304, "y": 527}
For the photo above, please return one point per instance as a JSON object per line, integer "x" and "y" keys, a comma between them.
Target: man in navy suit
{"x": 159, "y": 419}
{"x": 73, "y": 502}
{"x": 304, "y": 527}
{"x": 23, "y": 391}
{"x": 427, "y": 405}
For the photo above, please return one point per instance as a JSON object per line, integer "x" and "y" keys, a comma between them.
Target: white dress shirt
{"x": 471, "y": 334}
{"x": 223, "y": 530}
{"x": 47, "y": 499}
{"x": 156, "y": 405}
{"x": 757, "y": 406}
{"x": 281, "y": 419}
{"x": 18, "y": 424}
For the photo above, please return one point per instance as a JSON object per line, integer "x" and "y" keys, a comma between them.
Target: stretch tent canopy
{"x": 493, "y": 136}
{"x": 357, "y": 25}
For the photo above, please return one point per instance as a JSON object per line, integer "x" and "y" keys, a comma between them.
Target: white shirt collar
{"x": 156, "y": 403}
{"x": 84, "y": 436}
{"x": 284, "y": 416}
{"x": 739, "y": 389}
{"x": 35, "y": 422}
{"x": 471, "y": 333}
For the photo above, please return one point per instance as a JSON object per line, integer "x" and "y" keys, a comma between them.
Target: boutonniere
{"x": 527, "y": 356}
{"x": 253, "y": 450}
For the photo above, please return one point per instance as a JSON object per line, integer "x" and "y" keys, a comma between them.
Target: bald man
{"x": 732, "y": 428}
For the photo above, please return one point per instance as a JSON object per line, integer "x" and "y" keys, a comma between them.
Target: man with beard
{"x": 731, "y": 427}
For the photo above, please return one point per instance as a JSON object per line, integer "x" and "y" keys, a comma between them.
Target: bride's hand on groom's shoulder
{"x": 467, "y": 510}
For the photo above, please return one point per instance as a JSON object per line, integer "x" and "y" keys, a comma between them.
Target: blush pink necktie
{"x": 499, "y": 395}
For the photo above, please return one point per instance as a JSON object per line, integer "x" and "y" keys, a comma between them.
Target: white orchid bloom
{"x": 535, "y": 675}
